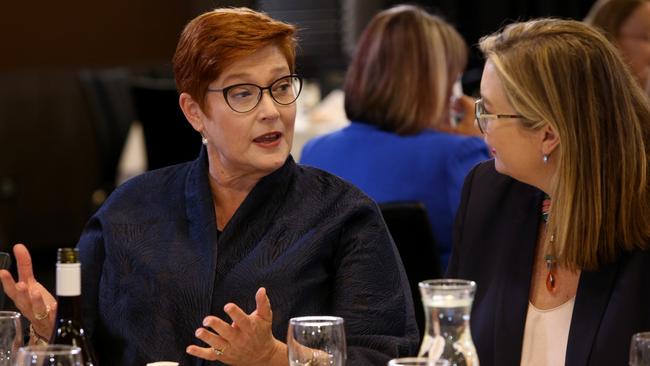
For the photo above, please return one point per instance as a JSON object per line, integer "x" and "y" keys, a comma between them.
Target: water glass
{"x": 316, "y": 341}
{"x": 447, "y": 306}
{"x": 640, "y": 349}
{"x": 50, "y": 355}
{"x": 11, "y": 336}
{"x": 417, "y": 361}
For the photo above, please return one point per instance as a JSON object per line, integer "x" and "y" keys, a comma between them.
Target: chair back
{"x": 408, "y": 224}
{"x": 169, "y": 138}
{"x": 108, "y": 94}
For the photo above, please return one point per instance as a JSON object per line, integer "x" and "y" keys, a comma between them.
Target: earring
{"x": 204, "y": 140}
{"x": 545, "y": 159}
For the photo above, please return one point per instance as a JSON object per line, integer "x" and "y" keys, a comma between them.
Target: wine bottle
{"x": 68, "y": 326}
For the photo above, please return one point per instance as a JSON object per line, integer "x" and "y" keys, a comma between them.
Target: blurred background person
{"x": 556, "y": 229}
{"x": 627, "y": 24}
{"x": 206, "y": 248}
{"x": 401, "y": 144}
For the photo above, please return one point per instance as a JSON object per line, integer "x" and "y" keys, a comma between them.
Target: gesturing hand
{"x": 248, "y": 340}
{"x": 30, "y": 297}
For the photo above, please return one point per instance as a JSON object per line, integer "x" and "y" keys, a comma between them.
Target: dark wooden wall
{"x": 79, "y": 33}
{"x": 48, "y": 149}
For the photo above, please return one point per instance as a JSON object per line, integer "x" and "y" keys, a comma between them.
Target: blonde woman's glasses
{"x": 482, "y": 118}
{"x": 244, "y": 98}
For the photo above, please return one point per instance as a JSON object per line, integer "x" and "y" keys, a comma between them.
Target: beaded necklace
{"x": 550, "y": 259}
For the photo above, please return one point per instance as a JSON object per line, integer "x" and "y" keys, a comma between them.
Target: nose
{"x": 268, "y": 109}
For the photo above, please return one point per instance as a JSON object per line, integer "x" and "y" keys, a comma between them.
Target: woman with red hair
{"x": 207, "y": 248}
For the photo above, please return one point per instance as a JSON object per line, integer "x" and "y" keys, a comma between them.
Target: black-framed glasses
{"x": 483, "y": 118}
{"x": 244, "y": 98}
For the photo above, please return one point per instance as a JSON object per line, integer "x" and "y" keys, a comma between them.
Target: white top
{"x": 546, "y": 335}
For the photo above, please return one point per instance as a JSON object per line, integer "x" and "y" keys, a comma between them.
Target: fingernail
{"x": 206, "y": 322}
{"x": 198, "y": 332}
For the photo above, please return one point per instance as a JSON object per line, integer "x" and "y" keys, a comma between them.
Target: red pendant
{"x": 550, "y": 281}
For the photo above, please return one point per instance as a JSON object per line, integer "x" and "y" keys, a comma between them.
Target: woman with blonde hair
{"x": 400, "y": 145}
{"x": 555, "y": 230}
{"x": 627, "y": 24}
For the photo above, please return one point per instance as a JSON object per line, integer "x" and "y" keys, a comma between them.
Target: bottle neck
{"x": 68, "y": 291}
{"x": 68, "y": 308}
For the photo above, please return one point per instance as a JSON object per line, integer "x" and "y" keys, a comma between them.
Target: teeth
{"x": 271, "y": 137}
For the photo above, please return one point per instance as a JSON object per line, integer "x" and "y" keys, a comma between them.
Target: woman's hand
{"x": 30, "y": 297}
{"x": 248, "y": 340}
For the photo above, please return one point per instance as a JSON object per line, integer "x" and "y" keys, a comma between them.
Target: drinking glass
{"x": 447, "y": 305}
{"x": 316, "y": 341}
{"x": 640, "y": 349}
{"x": 11, "y": 336}
{"x": 417, "y": 361}
{"x": 50, "y": 355}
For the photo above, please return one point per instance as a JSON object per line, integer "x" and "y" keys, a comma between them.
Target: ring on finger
{"x": 218, "y": 351}
{"x": 43, "y": 315}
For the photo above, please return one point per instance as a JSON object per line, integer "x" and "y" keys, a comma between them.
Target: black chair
{"x": 108, "y": 94}
{"x": 169, "y": 138}
{"x": 409, "y": 226}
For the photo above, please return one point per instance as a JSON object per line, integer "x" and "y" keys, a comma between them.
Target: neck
{"x": 69, "y": 308}
{"x": 228, "y": 193}
{"x": 225, "y": 176}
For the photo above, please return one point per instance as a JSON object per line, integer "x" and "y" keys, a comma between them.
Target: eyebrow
{"x": 247, "y": 76}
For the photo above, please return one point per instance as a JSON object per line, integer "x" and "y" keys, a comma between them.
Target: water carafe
{"x": 447, "y": 304}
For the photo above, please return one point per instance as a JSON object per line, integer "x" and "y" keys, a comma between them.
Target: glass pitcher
{"x": 447, "y": 304}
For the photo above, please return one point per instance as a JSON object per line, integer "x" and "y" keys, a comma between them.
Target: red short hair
{"x": 214, "y": 40}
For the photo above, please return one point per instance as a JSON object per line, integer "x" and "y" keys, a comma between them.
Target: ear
{"x": 192, "y": 111}
{"x": 550, "y": 139}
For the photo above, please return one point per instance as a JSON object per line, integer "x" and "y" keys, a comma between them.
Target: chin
{"x": 273, "y": 162}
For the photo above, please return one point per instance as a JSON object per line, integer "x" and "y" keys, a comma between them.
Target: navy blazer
{"x": 494, "y": 242}
{"x": 154, "y": 264}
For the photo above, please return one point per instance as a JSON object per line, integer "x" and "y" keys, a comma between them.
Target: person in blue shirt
{"x": 401, "y": 144}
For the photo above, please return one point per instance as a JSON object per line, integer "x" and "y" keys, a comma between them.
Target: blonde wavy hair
{"x": 566, "y": 74}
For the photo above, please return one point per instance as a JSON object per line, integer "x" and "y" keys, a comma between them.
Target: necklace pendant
{"x": 550, "y": 277}
{"x": 550, "y": 281}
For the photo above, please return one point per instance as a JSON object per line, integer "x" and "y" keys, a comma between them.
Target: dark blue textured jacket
{"x": 154, "y": 265}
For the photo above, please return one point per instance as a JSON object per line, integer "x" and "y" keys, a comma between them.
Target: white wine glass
{"x": 49, "y": 355}
{"x": 417, "y": 361}
{"x": 11, "y": 336}
{"x": 316, "y": 341}
{"x": 640, "y": 349}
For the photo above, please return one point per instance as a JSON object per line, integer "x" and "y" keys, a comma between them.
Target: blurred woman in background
{"x": 556, "y": 229}
{"x": 401, "y": 144}
{"x": 627, "y": 24}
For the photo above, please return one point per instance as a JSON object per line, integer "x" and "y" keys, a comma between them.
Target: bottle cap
{"x": 67, "y": 255}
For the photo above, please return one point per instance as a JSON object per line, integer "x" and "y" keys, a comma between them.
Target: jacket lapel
{"x": 594, "y": 291}
{"x": 202, "y": 228}
{"x": 512, "y": 306}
